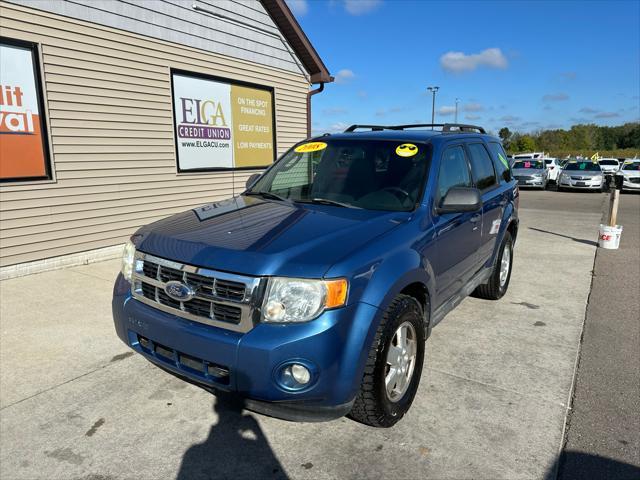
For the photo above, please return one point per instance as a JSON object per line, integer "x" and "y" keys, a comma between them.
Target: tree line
{"x": 583, "y": 139}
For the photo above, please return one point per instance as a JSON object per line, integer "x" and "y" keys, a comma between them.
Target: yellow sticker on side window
{"x": 310, "y": 147}
{"x": 503, "y": 160}
{"x": 406, "y": 150}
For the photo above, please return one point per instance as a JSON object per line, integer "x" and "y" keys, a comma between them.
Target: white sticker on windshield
{"x": 495, "y": 227}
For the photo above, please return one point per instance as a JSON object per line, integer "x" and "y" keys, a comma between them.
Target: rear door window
{"x": 500, "y": 161}
{"x": 482, "y": 166}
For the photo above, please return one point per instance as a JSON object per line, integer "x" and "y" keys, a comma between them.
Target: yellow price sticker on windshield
{"x": 310, "y": 147}
{"x": 406, "y": 150}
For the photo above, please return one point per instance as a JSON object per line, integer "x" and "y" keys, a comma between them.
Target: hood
{"x": 582, "y": 173}
{"x": 252, "y": 236}
{"x": 528, "y": 171}
{"x": 629, "y": 173}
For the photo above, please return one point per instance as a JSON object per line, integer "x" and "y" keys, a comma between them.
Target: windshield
{"x": 370, "y": 174}
{"x": 631, "y": 166}
{"x": 535, "y": 164}
{"x": 586, "y": 166}
{"x": 608, "y": 162}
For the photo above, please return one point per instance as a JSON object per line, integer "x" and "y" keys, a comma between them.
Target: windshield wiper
{"x": 269, "y": 195}
{"x": 326, "y": 201}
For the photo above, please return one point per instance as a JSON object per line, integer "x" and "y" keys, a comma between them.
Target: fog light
{"x": 300, "y": 373}
{"x": 295, "y": 376}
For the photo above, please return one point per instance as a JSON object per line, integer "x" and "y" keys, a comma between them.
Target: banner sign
{"x": 23, "y": 144}
{"x": 221, "y": 124}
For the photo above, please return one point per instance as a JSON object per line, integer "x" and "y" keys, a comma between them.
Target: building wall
{"x": 108, "y": 101}
{"x": 177, "y": 22}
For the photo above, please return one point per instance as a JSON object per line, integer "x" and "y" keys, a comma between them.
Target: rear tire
{"x": 498, "y": 283}
{"x": 375, "y": 405}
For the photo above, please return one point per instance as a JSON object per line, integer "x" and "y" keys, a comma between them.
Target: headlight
{"x": 128, "y": 257}
{"x": 598, "y": 178}
{"x": 300, "y": 300}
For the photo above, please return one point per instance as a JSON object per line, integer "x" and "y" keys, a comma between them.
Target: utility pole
{"x": 457, "y": 101}
{"x": 433, "y": 90}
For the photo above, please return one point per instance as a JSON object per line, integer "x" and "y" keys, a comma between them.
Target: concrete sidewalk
{"x": 75, "y": 403}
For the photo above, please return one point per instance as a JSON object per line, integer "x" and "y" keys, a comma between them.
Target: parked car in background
{"x": 520, "y": 156}
{"x": 531, "y": 173}
{"x": 553, "y": 168}
{"x": 630, "y": 171}
{"x": 609, "y": 165}
{"x": 581, "y": 175}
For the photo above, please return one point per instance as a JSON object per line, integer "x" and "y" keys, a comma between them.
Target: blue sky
{"x": 525, "y": 65}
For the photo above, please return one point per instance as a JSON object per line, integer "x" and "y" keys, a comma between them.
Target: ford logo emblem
{"x": 179, "y": 291}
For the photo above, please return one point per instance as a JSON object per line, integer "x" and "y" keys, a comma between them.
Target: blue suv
{"x": 311, "y": 294}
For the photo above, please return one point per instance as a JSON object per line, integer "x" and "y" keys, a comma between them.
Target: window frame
{"x": 497, "y": 160}
{"x": 496, "y": 181}
{"x": 446, "y": 147}
{"x": 33, "y": 47}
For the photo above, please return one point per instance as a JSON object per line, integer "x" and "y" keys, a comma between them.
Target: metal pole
{"x": 433, "y": 90}
{"x": 456, "y": 120}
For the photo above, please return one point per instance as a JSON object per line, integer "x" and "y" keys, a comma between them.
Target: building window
{"x": 221, "y": 124}
{"x": 24, "y": 152}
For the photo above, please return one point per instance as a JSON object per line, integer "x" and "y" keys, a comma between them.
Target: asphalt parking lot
{"x": 76, "y": 403}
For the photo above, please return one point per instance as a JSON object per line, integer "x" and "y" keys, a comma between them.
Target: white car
{"x": 609, "y": 165}
{"x": 553, "y": 168}
{"x": 630, "y": 171}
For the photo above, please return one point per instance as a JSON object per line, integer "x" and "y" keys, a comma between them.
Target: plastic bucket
{"x": 609, "y": 237}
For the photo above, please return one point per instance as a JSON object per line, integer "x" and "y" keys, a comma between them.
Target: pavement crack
{"x": 17, "y": 402}
{"x": 497, "y": 387}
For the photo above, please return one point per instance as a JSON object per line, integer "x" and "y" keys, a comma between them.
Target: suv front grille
{"x": 218, "y": 298}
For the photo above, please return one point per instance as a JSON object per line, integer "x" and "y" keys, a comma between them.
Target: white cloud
{"x": 607, "y": 115}
{"x": 473, "y": 107}
{"x": 446, "y": 111}
{"x": 298, "y": 7}
{"x": 555, "y": 97}
{"x": 335, "y": 111}
{"x": 360, "y": 7}
{"x": 472, "y": 117}
{"x": 458, "y": 62}
{"x": 344, "y": 76}
{"x": 588, "y": 110}
{"x": 509, "y": 118}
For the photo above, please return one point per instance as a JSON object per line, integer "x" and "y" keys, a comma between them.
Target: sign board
{"x": 23, "y": 140}
{"x": 221, "y": 124}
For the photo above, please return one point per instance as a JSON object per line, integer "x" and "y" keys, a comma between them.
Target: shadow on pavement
{"x": 579, "y": 240}
{"x": 579, "y": 466}
{"x": 235, "y": 448}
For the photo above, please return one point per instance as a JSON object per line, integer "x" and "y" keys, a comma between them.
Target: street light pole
{"x": 433, "y": 90}
{"x": 457, "y": 101}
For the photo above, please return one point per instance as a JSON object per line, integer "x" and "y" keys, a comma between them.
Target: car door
{"x": 457, "y": 234}
{"x": 493, "y": 199}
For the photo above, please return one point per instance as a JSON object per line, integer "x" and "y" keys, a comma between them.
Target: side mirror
{"x": 252, "y": 179}
{"x": 460, "y": 199}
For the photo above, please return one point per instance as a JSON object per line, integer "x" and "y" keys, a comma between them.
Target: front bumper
{"x": 535, "y": 183}
{"x": 334, "y": 346}
{"x": 587, "y": 184}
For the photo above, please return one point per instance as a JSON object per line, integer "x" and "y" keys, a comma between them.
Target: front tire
{"x": 394, "y": 366}
{"x": 498, "y": 283}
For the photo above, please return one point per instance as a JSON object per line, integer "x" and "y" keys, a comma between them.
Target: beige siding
{"x": 109, "y": 112}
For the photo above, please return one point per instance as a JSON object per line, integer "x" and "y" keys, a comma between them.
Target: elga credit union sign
{"x": 219, "y": 124}
{"x": 23, "y": 145}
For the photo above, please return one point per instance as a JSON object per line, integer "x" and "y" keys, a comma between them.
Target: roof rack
{"x": 446, "y": 127}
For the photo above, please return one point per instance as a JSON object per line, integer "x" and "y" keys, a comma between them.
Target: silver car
{"x": 581, "y": 175}
{"x": 630, "y": 171}
{"x": 531, "y": 173}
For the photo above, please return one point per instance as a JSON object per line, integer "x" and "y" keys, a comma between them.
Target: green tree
{"x": 526, "y": 143}
{"x": 505, "y": 135}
